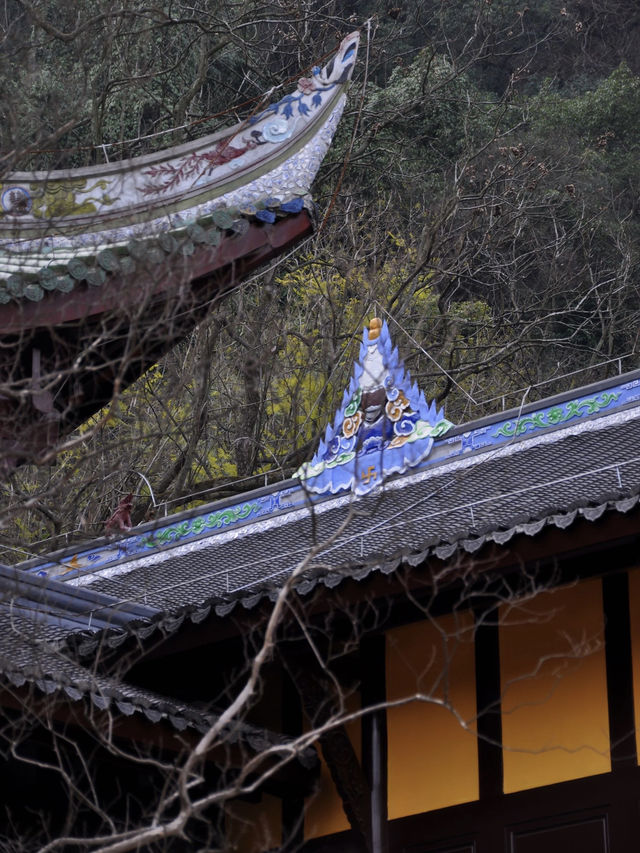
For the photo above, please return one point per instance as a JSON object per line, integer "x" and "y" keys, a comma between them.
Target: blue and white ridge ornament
{"x": 384, "y": 425}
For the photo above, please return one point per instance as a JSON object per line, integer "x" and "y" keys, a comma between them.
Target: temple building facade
{"x": 440, "y": 625}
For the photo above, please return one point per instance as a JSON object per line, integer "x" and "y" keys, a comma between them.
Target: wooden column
{"x": 489, "y": 709}
{"x": 617, "y": 633}
{"x": 374, "y": 737}
{"x": 292, "y": 807}
{"x": 317, "y": 694}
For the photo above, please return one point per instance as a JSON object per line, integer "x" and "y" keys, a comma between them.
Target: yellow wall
{"x": 324, "y": 813}
{"x": 433, "y": 761}
{"x": 254, "y": 827}
{"x": 554, "y": 710}
{"x": 634, "y": 608}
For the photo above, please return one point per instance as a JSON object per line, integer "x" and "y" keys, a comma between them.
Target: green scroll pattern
{"x": 195, "y": 526}
{"x": 557, "y": 415}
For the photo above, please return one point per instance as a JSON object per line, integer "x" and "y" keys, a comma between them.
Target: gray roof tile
{"x": 550, "y": 480}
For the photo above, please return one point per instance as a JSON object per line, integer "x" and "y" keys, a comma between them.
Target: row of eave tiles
{"x": 144, "y": 253}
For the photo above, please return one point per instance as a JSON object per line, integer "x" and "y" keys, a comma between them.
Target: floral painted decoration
{"x": 322, "y": 81}
{"x": 384, "y": 426}
{"x": 170, "y": 174}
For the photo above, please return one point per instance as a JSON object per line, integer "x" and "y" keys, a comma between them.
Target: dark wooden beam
{"x": 258, "y": 244}
{"x": 547, "y": 816}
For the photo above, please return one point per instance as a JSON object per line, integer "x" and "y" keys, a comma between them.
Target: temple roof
{"x": 572, "y": 456}
{"x": 546, "y": 466}
{"x": 32, "y": 281}
{"x": 63, "y": 229}
{"x": 549, "y": 480}
{"x": 36, "y": 614}
{"x": 160, "y": 238}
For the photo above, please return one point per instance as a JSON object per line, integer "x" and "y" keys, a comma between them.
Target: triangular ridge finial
{"x": 384, "y": 425}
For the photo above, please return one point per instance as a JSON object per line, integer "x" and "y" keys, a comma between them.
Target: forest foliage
{"x": 481, "y": 194}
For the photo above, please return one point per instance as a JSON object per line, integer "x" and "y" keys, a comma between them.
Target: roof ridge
{"x": 456, "y": 449}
